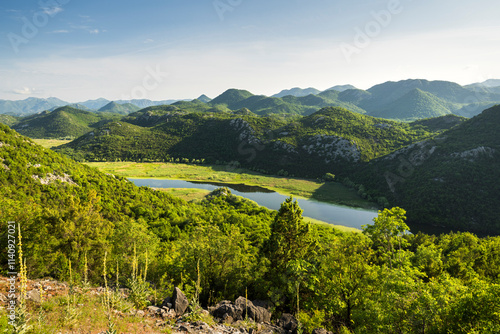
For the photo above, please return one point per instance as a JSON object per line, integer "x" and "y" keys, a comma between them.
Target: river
{"x": 330, "y": 213}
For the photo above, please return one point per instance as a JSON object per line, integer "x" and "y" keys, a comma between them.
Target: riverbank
{"x": 330, "y": 192}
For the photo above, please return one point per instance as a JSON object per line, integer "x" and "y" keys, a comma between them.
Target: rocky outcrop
{"x": 241, "y": 309}
{"x": 180, "y": 302}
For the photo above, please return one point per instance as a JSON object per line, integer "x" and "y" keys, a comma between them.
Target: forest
{"x": 80, "y": 223}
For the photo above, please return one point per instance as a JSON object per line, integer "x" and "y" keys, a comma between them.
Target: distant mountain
{"x": 231, "y": 97}
{"x": 29, "y": 106}
{"x": 123, "y": 109}
{"x": 144, "y": 103}
{"x": 62, "y": 122}
{"x": 74, "y": 105}
{"x": 451, "y": 180}
{"x": 204, "y": 98}
{"x": 341, "y": 88}
{"x": 298, "y": 92}
{"x": 416, "y": 104}
{"x": 389, "y": 92}
{"x": 488, "y": 83}
{"x": 95, "y": 104}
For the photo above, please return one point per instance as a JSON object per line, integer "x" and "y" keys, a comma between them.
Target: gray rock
{"x": 288, "y": 322}
{"x": 226, "y": 307}
{"x": 257, "y": 313}
{"x": 34, "y": 295}
{"x": 179, "y": 302}
{"x": 154, "y": 309}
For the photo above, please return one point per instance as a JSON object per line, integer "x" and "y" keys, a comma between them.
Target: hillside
{"x": 99, "y": 233}
{"x": 123, "y": 109}
{"x": 29, "y": 106}
{"x": 451, "y": 180}
{"x": 330, "y": 139}
{"x": 416, "y": 104}
{"x": 62, "y": 122}
{"x": 8, "y": 119}
{"x": 297, "y": 92}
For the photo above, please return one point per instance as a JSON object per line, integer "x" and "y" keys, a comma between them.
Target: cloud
{"x": 51, "y": 11}
{"x": 62, "y": 31}
{"x": 94, "y": 31}
{"x": 25, "y": 91}
{"x": 148, "y": 41}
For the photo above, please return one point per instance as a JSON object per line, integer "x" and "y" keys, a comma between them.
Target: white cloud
{"x": 148, "y": 41}
{"x": 51, "y": 11}
{"x": 61, "y": 31}
{"x": 94, "y": 31}
{"x": 25, "y": 91}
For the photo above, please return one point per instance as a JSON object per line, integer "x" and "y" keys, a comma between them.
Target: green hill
{"x": 62, "y": 122}
{"x": 451, "y": 180}
{"x": 330, "y": 139}
{"x": 230, "y": 97}
{"x": 298, "y": 92}
{"x": 438, "y": 124}
{"x": 68, "y": 211}
{"x": 123, "y": 109}
{"x": 8, "y": 119}
{"x": 416, "y": 104}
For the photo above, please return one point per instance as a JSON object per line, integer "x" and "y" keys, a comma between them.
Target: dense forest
{"x": 75, "y": 219}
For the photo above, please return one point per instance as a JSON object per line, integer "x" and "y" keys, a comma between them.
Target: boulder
{"x": 226, "y": 307}
{"x": 180, "y": 302}
{"x": 257, "y": 313}
{"x": 288, "y": 322}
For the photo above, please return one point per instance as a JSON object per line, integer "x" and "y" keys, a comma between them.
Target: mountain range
{"x": 405, "y": 100}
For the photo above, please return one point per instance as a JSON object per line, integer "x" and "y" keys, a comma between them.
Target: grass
{"x": 49, "y": 143}
{"x": 187, "y": 194}
{"x": 331, "y": 192}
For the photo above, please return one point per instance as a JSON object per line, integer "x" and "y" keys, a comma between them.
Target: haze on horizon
{"x": 165, "y": 49}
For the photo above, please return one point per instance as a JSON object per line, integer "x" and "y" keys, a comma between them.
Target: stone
{"x": 226, "y": 307}
{"x": 180, "y": 302}
{"x": 257, "y": 313}
{"x": 166, "y": 302}
{"x": 140, "y": 313}
{"x": 154, "y": 309}
{"x": 288, "y": 322}
{"x": 34, "y": 295}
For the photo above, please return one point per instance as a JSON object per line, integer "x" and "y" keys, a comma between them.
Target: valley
{"x": 330, "y": 192}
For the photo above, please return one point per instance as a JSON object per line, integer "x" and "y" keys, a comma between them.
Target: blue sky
{"x": 171, "y": 49}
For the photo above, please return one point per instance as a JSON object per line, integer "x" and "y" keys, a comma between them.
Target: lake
{"x": 330, "y": 213}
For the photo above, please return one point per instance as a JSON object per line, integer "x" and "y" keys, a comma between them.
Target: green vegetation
{"x": 451, "y": 180}
{"x": 8, "y": 119}
{"x": 79, "y": 224}
{"x": 50, "y": 143}
{"x": 123, "y": 109}
{"x": 326, "y": 141}
{"x": 62, "y": 122}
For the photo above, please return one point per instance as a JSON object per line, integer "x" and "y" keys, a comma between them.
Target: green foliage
{"x": 62, "y": 122}
{"x": 382, "y": 281}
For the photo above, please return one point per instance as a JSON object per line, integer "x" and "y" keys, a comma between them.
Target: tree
{"x": 288, "y": 249}
{"x": 387, "y": 232}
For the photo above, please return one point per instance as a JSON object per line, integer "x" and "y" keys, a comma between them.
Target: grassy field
{"x": 331, "y": 192}
{"x": 49, "y": 143}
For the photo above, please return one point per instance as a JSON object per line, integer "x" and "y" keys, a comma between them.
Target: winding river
{"x": 330, "y": 213}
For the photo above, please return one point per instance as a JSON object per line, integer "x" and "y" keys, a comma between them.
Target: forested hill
{"x": 330, "y": 140}
{"x": 62, "y": 122}
{"x": 451, "y": 180}
{"x": 76, "y": 221}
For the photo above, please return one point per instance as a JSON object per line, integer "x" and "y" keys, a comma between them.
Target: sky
{"x": 178, "y": 49}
